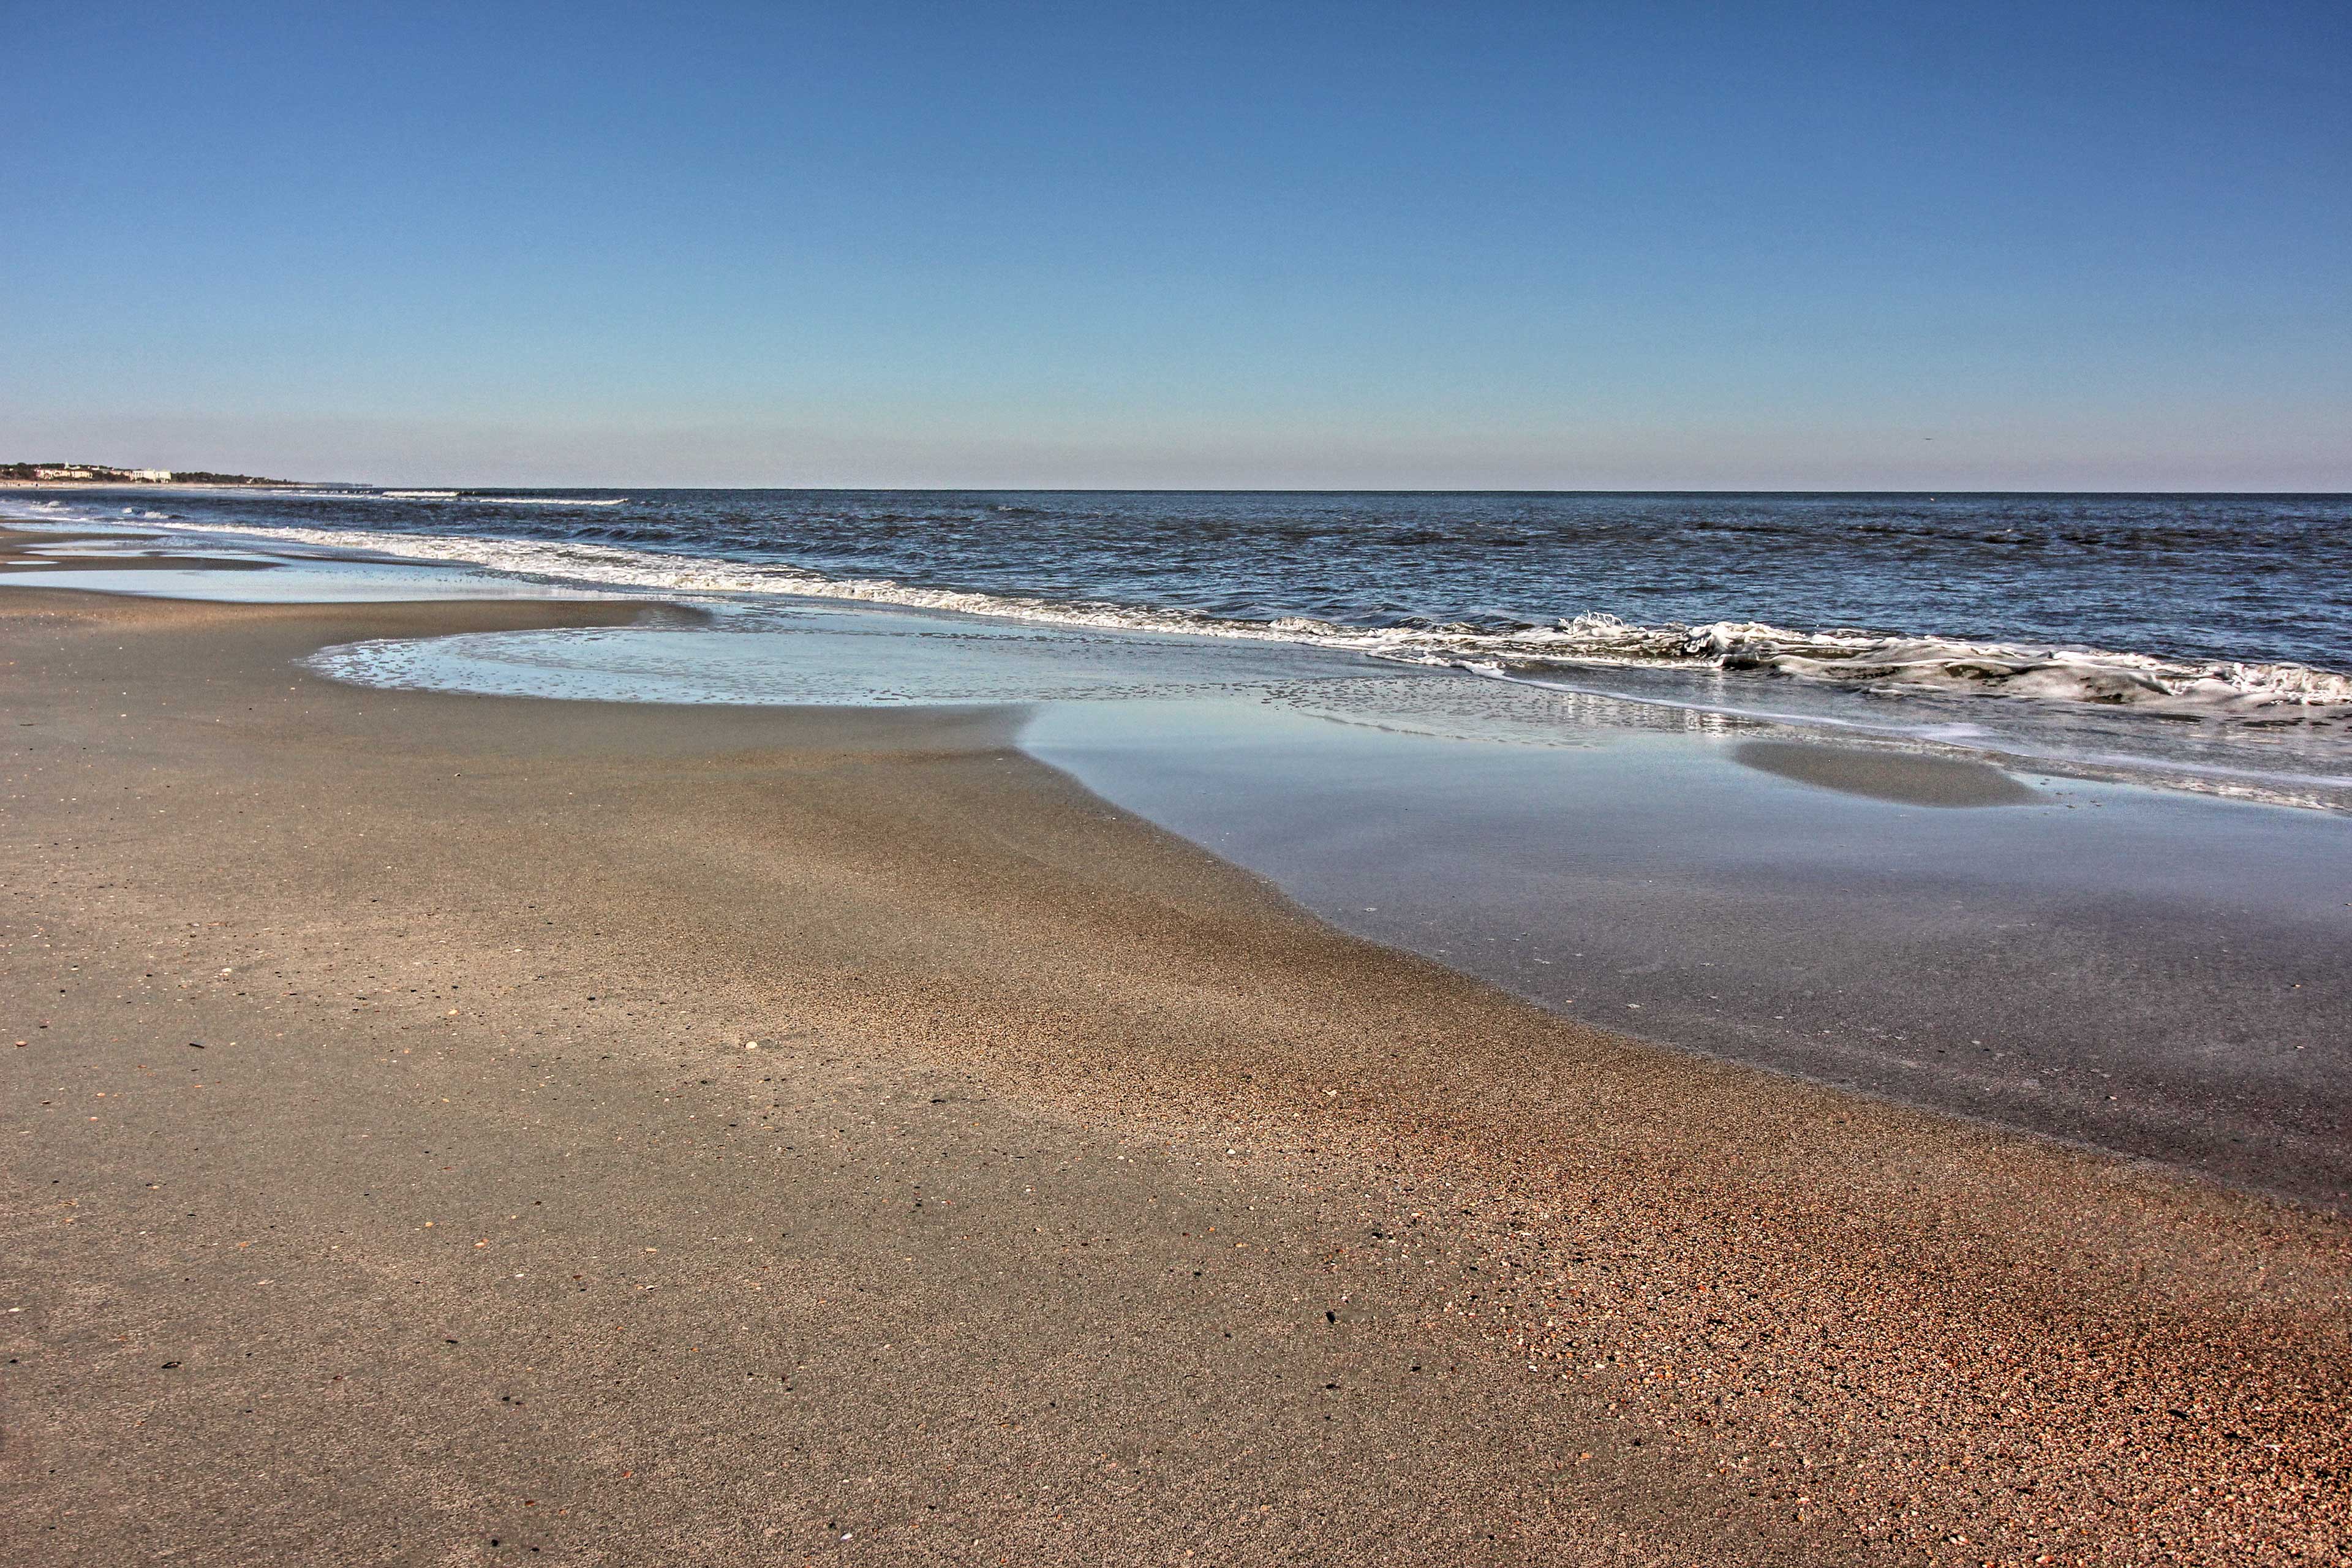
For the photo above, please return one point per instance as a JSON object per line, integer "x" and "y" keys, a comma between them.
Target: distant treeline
{"x": 107, "y": 472}
{"x": 206, "y": 477}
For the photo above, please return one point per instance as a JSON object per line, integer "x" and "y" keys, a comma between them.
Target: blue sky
{"x": 1632, "y": 246}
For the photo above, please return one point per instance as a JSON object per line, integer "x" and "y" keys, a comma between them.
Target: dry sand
{"x": 388, "y": 1180}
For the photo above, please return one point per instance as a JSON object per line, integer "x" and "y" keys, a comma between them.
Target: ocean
{"x": 2191, "y": 641}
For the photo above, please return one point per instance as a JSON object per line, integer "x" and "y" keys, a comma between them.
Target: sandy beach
{"x": 450, "y": 1129}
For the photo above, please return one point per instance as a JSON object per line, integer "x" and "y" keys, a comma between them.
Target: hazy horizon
{"x": 697, "y": 461}
{"x": 623, "y": 484}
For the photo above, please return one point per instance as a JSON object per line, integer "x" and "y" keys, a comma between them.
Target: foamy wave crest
{"x": 546, "y": 500}
{"x": 488, "y": 500}
{"x": 1853, "y": 659}
{"x": 2221, "y": 688}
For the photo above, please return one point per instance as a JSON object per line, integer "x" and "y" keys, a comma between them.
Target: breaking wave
{"x": 474, "y": 500}
{"x": 544, "y": 500}
{"x": 1864, "y": 660}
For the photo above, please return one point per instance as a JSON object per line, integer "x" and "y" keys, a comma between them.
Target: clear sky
{"x": 1624, "y": 246}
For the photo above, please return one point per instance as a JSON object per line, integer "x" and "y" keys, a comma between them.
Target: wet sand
{"x": 1886, "y": 775}
{"x": 2146, "y": 972}
{"x": 388, "y": 1180}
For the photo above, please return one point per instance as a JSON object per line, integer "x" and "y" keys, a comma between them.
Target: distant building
{"x": 61, "y": 473}
{"x": 151, "y": 475}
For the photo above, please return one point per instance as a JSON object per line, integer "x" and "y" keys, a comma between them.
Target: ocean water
{"x": 2200, "y": 642}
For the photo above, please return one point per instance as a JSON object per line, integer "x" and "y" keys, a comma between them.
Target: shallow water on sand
{"x": 140, "y": 563}
{"x": 2155, "y": 973}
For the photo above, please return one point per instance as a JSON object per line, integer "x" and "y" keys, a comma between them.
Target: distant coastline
{"x": 85, "y": 475}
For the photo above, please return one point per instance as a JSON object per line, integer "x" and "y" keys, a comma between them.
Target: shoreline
{"x": 1736, "y": 1291}
{"x": 2110, "y": 716}
{"x": 170, "y": 485}
{"x": 2125, "y": 971}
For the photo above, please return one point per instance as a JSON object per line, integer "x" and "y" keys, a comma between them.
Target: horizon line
{"x": 1166, "y": 490}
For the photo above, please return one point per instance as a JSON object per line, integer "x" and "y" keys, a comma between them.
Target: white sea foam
{"x": 482, "y": 500}
{"x": 2218, "y": 687}
{"x": 548, "y": 501}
